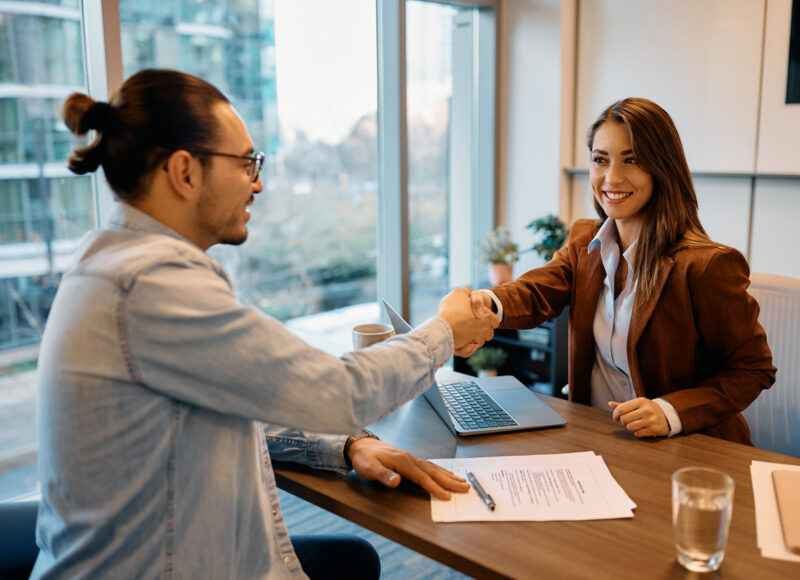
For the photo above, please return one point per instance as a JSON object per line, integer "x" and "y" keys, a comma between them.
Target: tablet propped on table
{"x": 787, "y": 493}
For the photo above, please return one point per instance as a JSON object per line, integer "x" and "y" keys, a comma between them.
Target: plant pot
{"x": 500, "y": 273}
{"x": 487, "y": 373}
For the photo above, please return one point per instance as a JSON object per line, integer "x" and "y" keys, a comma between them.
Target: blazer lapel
{"x": 640, "y": 317}
{"x": 586, "y": 292}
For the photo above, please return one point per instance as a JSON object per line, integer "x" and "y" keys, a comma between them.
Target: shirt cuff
{"x": 675, "y": 425}
{"x": 498, "y": 305}
{"x": 438, "y": 337}
{"x": 313, "y": 449}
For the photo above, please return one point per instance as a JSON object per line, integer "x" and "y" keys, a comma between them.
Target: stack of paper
{"x": 768, "y": 524}
{"x": 566, "y": 486}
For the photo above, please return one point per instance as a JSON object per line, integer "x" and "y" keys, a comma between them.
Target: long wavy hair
{"x": 670, "y": 217}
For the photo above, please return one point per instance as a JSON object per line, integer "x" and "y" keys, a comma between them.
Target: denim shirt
{"x": 161, "y": 399}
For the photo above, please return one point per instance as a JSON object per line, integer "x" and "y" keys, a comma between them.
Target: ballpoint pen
{"x": 487, "y": 499}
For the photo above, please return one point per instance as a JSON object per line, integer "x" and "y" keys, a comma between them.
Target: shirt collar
{"x": 607, "y": 234}
{"x": 127, "y": 217}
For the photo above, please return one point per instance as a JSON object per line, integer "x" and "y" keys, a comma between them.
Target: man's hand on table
{"x": 374, "y": 459}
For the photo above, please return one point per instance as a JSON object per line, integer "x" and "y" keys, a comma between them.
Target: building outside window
{"x": 311, "y": 107}
{"x": 44, "y": 209}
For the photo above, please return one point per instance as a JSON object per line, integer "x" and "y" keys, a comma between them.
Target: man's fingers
{"x": 449, "y": 480}
{"x": 467, "y": 351}
{"x": 481, "y": 302}
{"x": 373, "y": 459}
{"x": 386, "y": 476}
{"x": 415, "y": 473}
{"x": 439, "y": 481}
{"x": 457, "y": 310}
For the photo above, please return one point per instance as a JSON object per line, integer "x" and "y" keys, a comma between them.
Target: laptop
{"x": 484, "y": 405}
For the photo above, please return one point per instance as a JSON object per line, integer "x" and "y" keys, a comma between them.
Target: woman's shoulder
{"x": 702, "y": 259}
{"x": 583, "y": 231}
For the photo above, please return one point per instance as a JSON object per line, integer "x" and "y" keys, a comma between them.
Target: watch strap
{"x": 349, "y": 443}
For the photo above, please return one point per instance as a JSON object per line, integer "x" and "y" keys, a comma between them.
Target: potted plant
{"x": 487, "y": 360}
{"x": 500, "y": 252}
{"x": 552, "y": 233}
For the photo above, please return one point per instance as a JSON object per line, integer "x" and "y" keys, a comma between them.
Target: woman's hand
{"x": 641, "y": 416}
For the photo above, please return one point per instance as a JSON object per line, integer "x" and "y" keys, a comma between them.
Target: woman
{"x": 662, "y": 330}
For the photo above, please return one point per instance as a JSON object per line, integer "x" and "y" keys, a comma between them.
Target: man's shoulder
{"x": 125, "y": 255}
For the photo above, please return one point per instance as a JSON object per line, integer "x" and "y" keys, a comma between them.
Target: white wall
{"x": 699, "y": 59}
{"x": 779, "y": 138}
{"x": 776, "y": 227}
{"x": 533, "y": 117}
{"x": 776, "y": 202}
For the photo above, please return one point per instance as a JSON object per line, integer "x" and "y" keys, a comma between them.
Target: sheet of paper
{"x": 567, "y": 486}
{"x": 769, "y": 533}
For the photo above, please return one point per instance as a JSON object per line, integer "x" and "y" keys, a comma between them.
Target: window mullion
{"x": 101, "y": 29}
{"x": 393, "y": 236}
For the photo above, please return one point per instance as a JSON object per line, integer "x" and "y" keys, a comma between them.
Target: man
{"x": 162, "y": 399}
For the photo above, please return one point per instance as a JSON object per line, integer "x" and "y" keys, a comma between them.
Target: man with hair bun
{"x": 162, "y": 399}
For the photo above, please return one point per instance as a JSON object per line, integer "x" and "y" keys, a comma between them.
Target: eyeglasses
{"x": 256, "y": 161}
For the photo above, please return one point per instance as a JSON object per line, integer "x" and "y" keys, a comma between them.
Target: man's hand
{"x": 479, "y": 301}
{"x": 470, "y": 328}
{"x": 481, "y": 304}
{"x": 373, "y": 459}
{"x": 642, "y": 416}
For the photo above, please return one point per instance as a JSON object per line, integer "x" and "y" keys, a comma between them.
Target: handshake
{"x": 470, "y": 317}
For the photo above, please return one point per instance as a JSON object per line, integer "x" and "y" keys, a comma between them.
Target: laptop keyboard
{"x": 471, "y": 406}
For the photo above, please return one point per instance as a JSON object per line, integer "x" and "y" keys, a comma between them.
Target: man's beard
{"x": 234, "y": 240}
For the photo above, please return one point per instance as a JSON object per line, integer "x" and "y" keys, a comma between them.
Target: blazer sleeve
{"x": 726, "y": 317}
{"x": 542, "y": 293}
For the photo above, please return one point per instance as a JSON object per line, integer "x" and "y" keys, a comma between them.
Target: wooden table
{"x": 641, "y": 547}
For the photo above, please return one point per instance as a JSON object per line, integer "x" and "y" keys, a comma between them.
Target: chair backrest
{"x": 774, "y": 417}
{"x": 18, "y": 548}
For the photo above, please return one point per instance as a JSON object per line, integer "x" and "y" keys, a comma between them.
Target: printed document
{"x": 565, "y": 486}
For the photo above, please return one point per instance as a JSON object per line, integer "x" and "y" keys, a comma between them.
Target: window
{"x": 44, "y": 209}
{"x": 450, "y": 109}
{"x": 306, "y": 77}
{"x": 311, "y": 107}
{"x": 429, "y": 90}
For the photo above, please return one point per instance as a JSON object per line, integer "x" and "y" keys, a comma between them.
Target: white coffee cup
{"x": 365, "y": 335}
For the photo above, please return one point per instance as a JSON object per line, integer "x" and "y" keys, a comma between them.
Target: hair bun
{"x": 98, "y": 116}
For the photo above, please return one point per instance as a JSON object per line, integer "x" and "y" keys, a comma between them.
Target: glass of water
{"x": 702, "y": 503}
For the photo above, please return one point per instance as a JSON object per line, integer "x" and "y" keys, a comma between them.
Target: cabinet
{"x": 536, "y": 356}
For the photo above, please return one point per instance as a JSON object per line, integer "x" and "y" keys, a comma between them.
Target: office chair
{"x": 18, "y": 548}
{"x": 774, "y": 417}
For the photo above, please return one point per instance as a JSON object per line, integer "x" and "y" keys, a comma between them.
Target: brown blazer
{"x": 696, "y": 342}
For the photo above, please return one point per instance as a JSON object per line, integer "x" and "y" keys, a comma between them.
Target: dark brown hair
{"x": 670, "y": 217}
{"x": 152, "y": 114}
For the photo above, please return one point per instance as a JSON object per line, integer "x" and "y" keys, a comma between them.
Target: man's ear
{"x": 184, "y": 173}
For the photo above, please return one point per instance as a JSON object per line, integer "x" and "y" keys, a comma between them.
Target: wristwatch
{"x": 349, "y": 443}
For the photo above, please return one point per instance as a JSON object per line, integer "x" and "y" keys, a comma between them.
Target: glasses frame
{"x": 256, "y": 160}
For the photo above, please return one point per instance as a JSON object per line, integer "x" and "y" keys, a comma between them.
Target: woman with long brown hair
{"x": 662, "y": 330}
